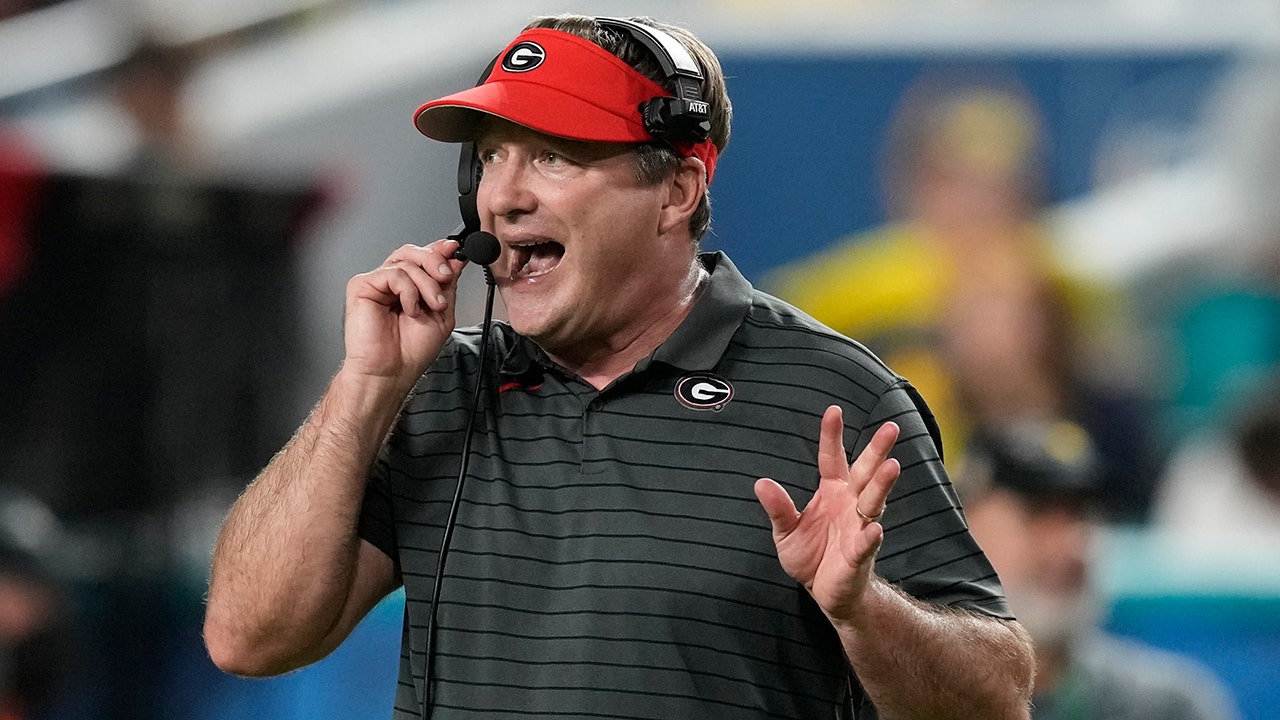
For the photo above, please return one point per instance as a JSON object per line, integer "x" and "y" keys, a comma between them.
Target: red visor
{"x": 558, "y": 84}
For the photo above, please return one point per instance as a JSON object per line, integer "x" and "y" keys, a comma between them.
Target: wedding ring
{"x": 868, "y": 518}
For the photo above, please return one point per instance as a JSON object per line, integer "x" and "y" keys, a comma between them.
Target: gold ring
{"x": 868, "y": 518}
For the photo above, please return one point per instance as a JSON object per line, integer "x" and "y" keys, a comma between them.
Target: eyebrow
{"x": 587, "y": 150}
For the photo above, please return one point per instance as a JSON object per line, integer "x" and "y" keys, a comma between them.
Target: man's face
{"x": 590, "y": 256}
{"x": 1041, "y": 553}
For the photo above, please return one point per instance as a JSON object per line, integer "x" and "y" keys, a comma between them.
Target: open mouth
{"x": 534, "y": 259}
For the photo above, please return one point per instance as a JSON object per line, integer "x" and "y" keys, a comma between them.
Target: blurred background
{"x": 1042, "y": 212}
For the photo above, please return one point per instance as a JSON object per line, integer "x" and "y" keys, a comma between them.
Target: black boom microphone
{"x": 479, "y": 247}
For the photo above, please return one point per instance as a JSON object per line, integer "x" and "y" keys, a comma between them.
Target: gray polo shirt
{"x": 610, "y": 558}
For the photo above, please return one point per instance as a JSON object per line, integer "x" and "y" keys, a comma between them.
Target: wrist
{"x": 361, "y": 403}
{"x": 360, "y": 387}
{"x": 877, "y": 602}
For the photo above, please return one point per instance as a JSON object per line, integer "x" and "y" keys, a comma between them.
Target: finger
{"x": 434, "y": 292}
{"x": 872, "y": 457}
{"x": 832, "y": 462}
{"x": 432, "y": 270}
{"x": 875, "y": 495}
{"x": 778, "y": 505}
{"x": 437, "y": 259}
{"x": 867, "y": 543}
{"x": 390, "y": 286}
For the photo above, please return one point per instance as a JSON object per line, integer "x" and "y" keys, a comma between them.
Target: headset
{"x": 682, "y": 118}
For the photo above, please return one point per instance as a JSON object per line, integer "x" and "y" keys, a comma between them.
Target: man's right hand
{"x": 399, "y": 315}
{"x": 290, "y": 577}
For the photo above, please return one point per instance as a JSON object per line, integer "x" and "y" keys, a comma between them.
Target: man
{"x": 607, "y": 558}
{"x": 1030, "y": 492}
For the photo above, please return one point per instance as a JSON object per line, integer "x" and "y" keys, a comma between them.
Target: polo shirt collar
{"x": 697, "y": 344}
{"x": 703, "y": 337}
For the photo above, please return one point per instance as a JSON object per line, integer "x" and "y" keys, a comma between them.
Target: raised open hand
{"x": 830, "y": 548}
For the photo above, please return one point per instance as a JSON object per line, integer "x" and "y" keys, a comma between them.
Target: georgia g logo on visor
{"x": 523, "y": 57}
{"x": 704, "y": 392}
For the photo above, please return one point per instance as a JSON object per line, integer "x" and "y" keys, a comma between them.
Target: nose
{"x": 1064, "y": 542}
{"x": 505, "y": 191}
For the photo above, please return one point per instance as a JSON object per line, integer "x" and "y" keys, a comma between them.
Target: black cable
{"x": 481, "y": 257}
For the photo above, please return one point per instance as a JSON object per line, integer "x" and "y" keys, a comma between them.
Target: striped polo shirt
{"x": 610, "y": 559}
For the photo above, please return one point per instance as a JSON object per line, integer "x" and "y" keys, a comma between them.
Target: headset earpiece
{"x": 676, "y": 120}
{"x": 468, "y": 182}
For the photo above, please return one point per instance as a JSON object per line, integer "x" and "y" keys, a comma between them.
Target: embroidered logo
{"x": 704, "y": 392}
{"x": 524, "y": 57}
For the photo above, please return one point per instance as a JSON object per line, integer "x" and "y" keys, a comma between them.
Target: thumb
{"x": 778, "y": 505}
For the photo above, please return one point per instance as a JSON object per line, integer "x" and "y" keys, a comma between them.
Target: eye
{"x": 553, "y": 158}
{"x": 487, "y": 155}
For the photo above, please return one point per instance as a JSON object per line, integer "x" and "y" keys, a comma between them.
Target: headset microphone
{"x": 479, "y": 247}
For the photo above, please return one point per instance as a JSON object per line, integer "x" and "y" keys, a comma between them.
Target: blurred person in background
{"x": 1032, "y": 498}
{"x": 150, "y": 85}
{"x": 961, "y": 291}
{"x": 149, "y": 314}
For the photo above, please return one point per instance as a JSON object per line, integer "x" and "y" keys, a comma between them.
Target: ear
{"x": 685, "y": 189}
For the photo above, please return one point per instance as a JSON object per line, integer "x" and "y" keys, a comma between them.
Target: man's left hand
{"x": 830, "y": 548}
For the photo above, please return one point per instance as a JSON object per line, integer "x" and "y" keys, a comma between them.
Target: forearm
{"x": 285, "y": 559}
{"x": 920, "y": 661}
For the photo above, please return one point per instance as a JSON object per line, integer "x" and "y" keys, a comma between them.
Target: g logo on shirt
{"x": 704, "y": 392}
{"x": 523, "y": 57}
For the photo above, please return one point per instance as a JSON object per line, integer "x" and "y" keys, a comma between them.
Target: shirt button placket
{"x": 591, "y": 442}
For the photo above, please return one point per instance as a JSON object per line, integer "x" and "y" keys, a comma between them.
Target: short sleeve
{"x": 377, "y": 523}
{"x": 928, "y": 551}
